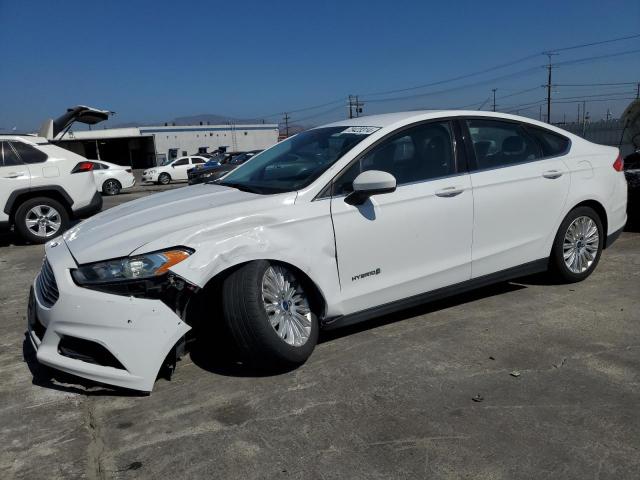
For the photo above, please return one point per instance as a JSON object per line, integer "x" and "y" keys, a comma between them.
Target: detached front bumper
{"x": 112, "y": 339}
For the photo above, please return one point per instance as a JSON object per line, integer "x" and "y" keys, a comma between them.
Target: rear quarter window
{"x": 28, "y": 153}
{"x": 552, "y": 144}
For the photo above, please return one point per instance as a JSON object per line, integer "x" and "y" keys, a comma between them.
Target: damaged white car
{"x": 335, "y": 225}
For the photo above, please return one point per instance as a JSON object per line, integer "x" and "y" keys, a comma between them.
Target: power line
{"x": 320, "y": 114}
{"x": 453, "y": 89}
{"x": 604, "y": 94}
{"x": 521, "y": 92}
{"x": 593, "y": 84}
{"x": 598, "y": 57}
{"x": 478, "y": 72}
{"x": 583, "y": 45}
{"x": 598, "y": 100}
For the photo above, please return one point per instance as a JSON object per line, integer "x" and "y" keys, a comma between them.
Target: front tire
{"x": 164, "y": 179}
{"x": 267, "y": 309}
{"x": 578, "y": 245}
{"x": 39, "y": 219}
{"x": 111, "y": 187}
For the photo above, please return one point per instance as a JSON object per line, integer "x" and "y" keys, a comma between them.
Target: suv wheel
{"x": 39, "y": 219}
{"x": 111, "y": 187}
{"x": 164, "y": 179}
{"x": 578, "y": 245}
{"x": 268, "y": 311}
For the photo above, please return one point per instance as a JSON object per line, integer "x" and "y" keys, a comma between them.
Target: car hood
{"x": 177, "y": 214}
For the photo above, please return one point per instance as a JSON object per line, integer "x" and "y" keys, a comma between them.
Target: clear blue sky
{"x": 156, "y": 60}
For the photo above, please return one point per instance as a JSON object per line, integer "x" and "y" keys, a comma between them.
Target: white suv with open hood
{"x": 335, "y": 225}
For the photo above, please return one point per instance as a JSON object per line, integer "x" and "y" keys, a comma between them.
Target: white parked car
{"x": 335, "y": 225}
{"x": 111, "y": 178}
{"x": 172, "y": 171}
{"x": 43, "y": 187}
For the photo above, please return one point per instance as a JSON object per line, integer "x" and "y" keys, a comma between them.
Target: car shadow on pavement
{"x": 423, "y": 309}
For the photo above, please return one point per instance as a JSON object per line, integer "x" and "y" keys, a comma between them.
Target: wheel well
{"x": 213, "y": 288}
{"x": 23, "y": 197}
{"x": 602, "y": 213}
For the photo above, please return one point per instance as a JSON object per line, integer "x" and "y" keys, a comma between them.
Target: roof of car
{"x": 388, "y": 119}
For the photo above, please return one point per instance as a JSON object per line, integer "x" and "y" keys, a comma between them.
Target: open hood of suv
{"x": 179, "y": 214}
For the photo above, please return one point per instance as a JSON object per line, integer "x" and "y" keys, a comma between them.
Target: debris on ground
{"x": 477, "y": 398}
{"x": 492, "y": 357}
{"x": 561, "y": 364}
{"x": 515, "y": 373}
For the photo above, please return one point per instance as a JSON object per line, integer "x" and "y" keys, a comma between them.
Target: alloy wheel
{"x": 43, "y": 221}
{"x": 580, "y": 246}
{"x": 111, "y": 187}
{"x": 286, "y": 305}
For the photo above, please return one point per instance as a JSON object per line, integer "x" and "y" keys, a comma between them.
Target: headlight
{"x": 138, "y": 267}
{"x": 150, "y": 172}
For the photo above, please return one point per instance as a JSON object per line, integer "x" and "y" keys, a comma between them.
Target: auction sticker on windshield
{"x": 360, "y": 130}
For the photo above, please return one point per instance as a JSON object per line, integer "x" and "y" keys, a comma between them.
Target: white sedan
{"x": 175, "y": 170}
{"x": 111, "y": 178}
{"x": 336, "y": 225}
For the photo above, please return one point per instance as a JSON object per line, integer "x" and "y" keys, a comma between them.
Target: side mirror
{"x": 371, "y": 182}
{"x": 173, "y": 165}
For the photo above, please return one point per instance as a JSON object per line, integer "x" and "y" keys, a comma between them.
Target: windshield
{"x": 296, "y": 162}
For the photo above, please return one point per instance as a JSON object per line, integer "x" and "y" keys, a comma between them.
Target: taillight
{"x": 618, "y": 165}
{"x": 83, "y": 167}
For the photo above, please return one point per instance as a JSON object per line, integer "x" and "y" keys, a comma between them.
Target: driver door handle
{"x": 449, "y": 191}
{"x": 15, "y": 175}
{"x": 552, "y": 174}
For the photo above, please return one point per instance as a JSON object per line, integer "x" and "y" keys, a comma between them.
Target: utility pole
{"x": 494, "y": 98}
{"x": 638, "y": 92}
{"x": 549, "y": 67}
{"x": 350, "y": 106}
{"x": 286, "y": 119}
{"x": 540, "y": 113}
{"x": 358, "y": 104}
{"x": 578, "y": 119}
{"x": 608, "y": 114}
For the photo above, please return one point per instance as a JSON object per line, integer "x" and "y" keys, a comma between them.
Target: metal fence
{"x": 604, "y": 132}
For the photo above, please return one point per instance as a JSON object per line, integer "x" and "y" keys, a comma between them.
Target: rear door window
{"x": 8, "y": 156}
{"x": 182, "y": 161}
{"x": 552, "y": 144}
{"x": 501, "y": 144}
{"x": 29, "y": 153}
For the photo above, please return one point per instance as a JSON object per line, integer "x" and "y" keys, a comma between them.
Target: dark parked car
{"x": 632, "y": 173}
{"x": 214, "y": 170}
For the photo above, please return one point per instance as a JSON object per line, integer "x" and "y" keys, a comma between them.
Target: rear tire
{"x": 40, "y": 219}
{"x": 578, "y": 245}
{"x": 267, "y": 310}
{"x": 111, "y": 187}
{"x": 164, "y": 179}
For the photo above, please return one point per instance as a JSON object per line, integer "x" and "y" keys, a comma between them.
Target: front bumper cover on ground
{"x": 138, "y": 332}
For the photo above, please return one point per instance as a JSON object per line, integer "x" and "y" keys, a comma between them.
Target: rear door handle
{"x": 552, "y": 174}
{"x": 15, "y": 175}
{"x": 449, "y": 191}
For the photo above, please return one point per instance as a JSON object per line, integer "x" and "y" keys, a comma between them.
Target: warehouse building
{"x": 143, "y": 147}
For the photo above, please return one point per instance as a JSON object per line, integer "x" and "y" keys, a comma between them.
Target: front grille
{"x": 46, "y": 286}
